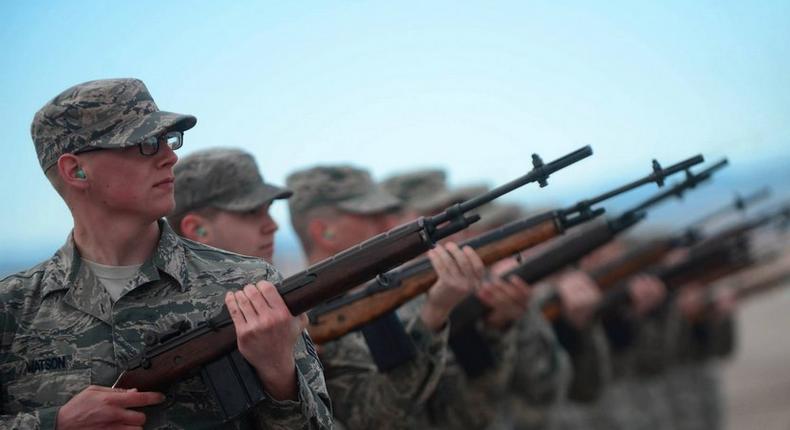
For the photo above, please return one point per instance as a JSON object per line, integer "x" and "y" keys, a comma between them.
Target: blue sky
{"x": 474, "y": 87}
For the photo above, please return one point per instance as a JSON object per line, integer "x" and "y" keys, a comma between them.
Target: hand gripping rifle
{"x": 576, "y": 247}
{"x": 472, "y": 309}
{"x": 709, "y": 260}
{"x": 721, "y": 254}
{"x": 651, "y": 253}
{"x": 391, "y": 290}
{"x": 172, "y": 357}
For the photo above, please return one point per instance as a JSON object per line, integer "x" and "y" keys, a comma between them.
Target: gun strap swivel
{"x": 234, "y": 384}
{"x": 389, "y": 344}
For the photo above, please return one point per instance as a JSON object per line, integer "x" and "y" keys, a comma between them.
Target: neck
{"x": 115, "y": 240}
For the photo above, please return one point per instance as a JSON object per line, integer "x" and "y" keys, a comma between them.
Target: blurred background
{"x": 472, "y": 87}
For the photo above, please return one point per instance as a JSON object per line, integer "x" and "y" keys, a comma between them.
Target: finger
{"x": 437, "y": 263}
{"x": 516, "y": 280}
{"x": 233, "y": 308}
{"x": 303, "y": 321}
{"x": 130, "y": 418}
{"x": 257, "y": 301}
{"x": 245, "y": 306}
{"x": 516, "y": 295}
{"x": 272, "y": 296}
{"x": 450, "y": 261}
{"x": 463, "y": 263}
{"x": 478, "y": 268}
{"x": 443, "y": 263}
{"x": 136, "y": 399}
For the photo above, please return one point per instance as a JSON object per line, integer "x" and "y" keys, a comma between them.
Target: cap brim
{"x": 494, "y": 215}
{"x": 262, "y": 195}
{"x": 374, "y": 202}
{"x": 152, "y": 124}
{"x": 441, "y": 201}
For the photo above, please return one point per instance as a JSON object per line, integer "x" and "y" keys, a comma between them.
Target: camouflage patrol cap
{"x": 493, "y": 215}
{"x": 426, "y": 190}
{"x": 223, "y": 178}
{"x": 109, "y": 113}
{"x": 343, "y": 187}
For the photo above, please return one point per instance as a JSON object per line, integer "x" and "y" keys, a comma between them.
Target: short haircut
{"x": 207, "y": 212}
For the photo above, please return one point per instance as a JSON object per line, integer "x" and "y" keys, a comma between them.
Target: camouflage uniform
{"x": 589, "y": 356}
{"x": 636, "y": 399}
{"x": 62, "y": 332}
{"x": 459, "y": 402}
{"x": 692, "y": 382}
{"x": 362, "y": 396}
{"x": 541, "y": 375}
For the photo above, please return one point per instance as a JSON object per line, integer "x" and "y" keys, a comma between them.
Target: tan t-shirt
{"x": 113, "y": 278}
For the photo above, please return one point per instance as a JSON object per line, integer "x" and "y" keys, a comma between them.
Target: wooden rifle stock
{"x": 338, "y": 322}
{"x": 633, "y": 262}
{"x": 763, "y": 278}
{"x": 178, "y": 357}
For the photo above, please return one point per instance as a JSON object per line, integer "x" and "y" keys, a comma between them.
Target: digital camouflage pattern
{"x": 223, "y": 178}
{"x": 343, "y": 187}
{"x": 61, "y": 333}
{"x": 692, "y": 382}
{"x": 636, "y": 398}
{"x": 426, "y": 191}
{"x": 364, "y": 398}
{"x": 461, "y": 402}
{"x": 590, "y": 372}
{"x": 541, "y": 373}
{"x": 454, "y": 401}
{"x": 109, "y": 113}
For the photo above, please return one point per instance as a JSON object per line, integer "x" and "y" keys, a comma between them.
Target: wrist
{"x": 279, "y": 380}
{"x": 433, "y": 317}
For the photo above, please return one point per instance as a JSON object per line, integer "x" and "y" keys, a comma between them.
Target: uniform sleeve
{"x": 312, "y": 409}
{"x": 364, "y": 398}
{"x": 473, "y": 403}
{"x": 42, "y": 418}
{"x": 590, "y": 360}
{"x": 538, "y": 376}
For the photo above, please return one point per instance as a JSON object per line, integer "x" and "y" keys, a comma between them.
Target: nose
{"x": 268, "y": 224}
{"x": 166, "y": 157}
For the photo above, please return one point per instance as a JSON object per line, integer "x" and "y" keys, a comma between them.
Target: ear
{"x": 320, "y": 233}
{"x": 192, "y": 225}
{"x": 68, "y": 166}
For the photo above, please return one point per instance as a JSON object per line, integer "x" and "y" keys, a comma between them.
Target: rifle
{"x": 721, "y": 255}
{"x": 573, "y": 248}
{"x": 173, "y": 356}
{"x": 740, "y": 203}
{"x": 762, "y": 278}
{"x": 391, "y": 290}
{"x": 633, "y": 261}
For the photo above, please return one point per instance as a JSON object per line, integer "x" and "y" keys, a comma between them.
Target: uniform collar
{"x": 65, "y": 271}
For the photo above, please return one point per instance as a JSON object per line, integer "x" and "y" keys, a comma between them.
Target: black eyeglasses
{"x": 150, "y": 146}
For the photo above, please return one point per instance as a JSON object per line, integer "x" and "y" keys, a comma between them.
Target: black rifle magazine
{"x": 234, "y": 384}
